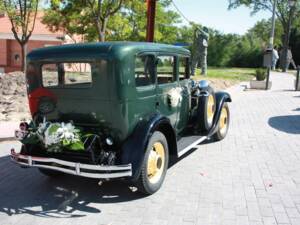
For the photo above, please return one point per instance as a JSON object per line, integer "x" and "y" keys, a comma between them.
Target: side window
{"x": 144, "y": 70}
{"x": 183, "y": 68}
{"x": 165, "y": 68}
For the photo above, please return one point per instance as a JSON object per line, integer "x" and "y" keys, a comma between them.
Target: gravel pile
{"x": 13, "y": 97}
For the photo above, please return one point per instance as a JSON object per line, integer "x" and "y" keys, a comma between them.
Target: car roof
{"x": 108, "y": 49}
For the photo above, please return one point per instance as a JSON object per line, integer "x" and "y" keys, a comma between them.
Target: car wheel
{"x": 206, "y": 110}
{"x": 223, "y": 123}
{"x": 50, "y": 173}
{"x": 154, "y": 165}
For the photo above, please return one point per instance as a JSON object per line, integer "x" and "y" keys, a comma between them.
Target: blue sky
{"x": 214, "y": 14}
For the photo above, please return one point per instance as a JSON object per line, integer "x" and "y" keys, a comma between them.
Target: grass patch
{"x": 235, "y": 74}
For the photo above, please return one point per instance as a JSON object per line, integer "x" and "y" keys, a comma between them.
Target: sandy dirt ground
{"x": 14, "y": 103}
{"x": 13, "y": 97}
{"x": 219, "y": 84}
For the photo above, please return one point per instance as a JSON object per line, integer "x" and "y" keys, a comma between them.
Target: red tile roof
{"x": 5, "y": 26}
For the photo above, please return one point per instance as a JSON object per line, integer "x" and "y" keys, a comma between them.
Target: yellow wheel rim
{"x": 156, "y": 162}
{"x": 223, "y": 121}
{"x": 210, "y": 109}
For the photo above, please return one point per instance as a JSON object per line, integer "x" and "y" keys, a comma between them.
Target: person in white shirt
{"x": 275, "y": 58}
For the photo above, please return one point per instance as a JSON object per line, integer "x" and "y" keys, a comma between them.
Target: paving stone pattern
{"x": 250, "y": 178}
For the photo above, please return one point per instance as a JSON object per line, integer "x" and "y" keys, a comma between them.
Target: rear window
{"x": 67, "y": 74}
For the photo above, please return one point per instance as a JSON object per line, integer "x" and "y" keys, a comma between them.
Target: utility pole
{"x": 151, "y": 7}
{"x": 271, "y": 42}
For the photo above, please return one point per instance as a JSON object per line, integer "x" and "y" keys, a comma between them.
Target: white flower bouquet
{"x": 55, "y": 137}
{"x": 174, "y": 97}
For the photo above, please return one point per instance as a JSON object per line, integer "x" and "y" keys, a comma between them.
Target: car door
{"x": 168, "y": 95}
{"x": 145, "y": 103}
{"x": 183, "y": 71}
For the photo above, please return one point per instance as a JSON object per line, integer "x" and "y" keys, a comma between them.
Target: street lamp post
{"x": 271, "y": 42}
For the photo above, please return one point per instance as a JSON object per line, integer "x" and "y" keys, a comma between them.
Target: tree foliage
{"x": 118, "y": 20}
{"x": 88, "y": 18}
{"x": 285, "y": 13}
{"x": 262, "y": 29}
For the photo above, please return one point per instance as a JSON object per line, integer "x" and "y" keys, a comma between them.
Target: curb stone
{"x": 3, "y": 139}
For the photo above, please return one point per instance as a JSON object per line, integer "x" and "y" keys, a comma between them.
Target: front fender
{"x": 134, "y": 148}
{"x": 221, "y": 98}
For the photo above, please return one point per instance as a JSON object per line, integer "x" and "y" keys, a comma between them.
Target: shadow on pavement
{"x": 289, "y": 124}
{"x": 27, "y": 191}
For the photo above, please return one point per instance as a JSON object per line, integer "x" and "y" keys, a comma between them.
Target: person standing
{"x": 200, "y": 50}
{"x": 290, "y": 59}
{"x": 275, "y": 58}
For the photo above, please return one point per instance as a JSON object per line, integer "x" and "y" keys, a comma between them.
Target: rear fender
{"x": 221, "y": 98}
{"x": 134, "y": 148}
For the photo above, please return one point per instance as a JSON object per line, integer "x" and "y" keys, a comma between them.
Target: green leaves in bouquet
{"x": 74, "y": 146}
{"x": 53, "y": 128}
{"x": 77, "y": 146}
{"x": 31, "y": 139}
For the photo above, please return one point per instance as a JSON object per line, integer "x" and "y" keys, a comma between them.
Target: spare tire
{"x": 206, "y": 110}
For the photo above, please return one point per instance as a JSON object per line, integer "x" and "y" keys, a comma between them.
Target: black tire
{"x": 145, "y": 184}
{"x": 222, "y": 132}
{"x": 203, "y": 122}
{"x": 50, "y": 173}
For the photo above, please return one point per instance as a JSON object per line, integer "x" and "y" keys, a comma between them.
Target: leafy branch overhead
{"x": 283, "y": 8}
{"x": 111, "y": 19}
{"x": 286, "y": 12}
{"x": 81, "y": 17}
{"x": 101, "y": 10}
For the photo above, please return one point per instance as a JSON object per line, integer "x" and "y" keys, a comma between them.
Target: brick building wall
{"x": 10, "y": 52}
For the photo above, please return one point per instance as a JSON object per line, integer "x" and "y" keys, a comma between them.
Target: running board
{"x": 187, "y": 143}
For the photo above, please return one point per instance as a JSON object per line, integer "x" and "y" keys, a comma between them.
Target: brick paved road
{"x": 252, "y": 177}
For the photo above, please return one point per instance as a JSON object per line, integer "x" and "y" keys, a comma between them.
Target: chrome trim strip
{"x": 72, "y": 164}
{"x": 188, "y": 148}
{"x": 123, "y": 170}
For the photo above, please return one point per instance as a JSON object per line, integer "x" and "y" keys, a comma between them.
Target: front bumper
{"x": 79, "y": 169}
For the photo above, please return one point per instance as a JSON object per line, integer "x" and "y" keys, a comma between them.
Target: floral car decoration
{"x": 54, "y": 137}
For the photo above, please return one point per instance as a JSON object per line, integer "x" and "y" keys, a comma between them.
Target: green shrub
{"x": 260, "y": 74}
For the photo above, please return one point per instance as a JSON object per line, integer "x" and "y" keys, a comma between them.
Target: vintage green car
{"x": 138, "y": 101}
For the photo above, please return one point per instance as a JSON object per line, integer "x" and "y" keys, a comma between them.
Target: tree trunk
{"x": 287, "y": 34}
{"x": 103, "y": 29}
{"x": 98, "y": 25}
{"x": 286, "y": 48}
{"x": 22, "y": 45}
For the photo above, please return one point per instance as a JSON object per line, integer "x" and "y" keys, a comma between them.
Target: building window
{"x": 17, "y": 57}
